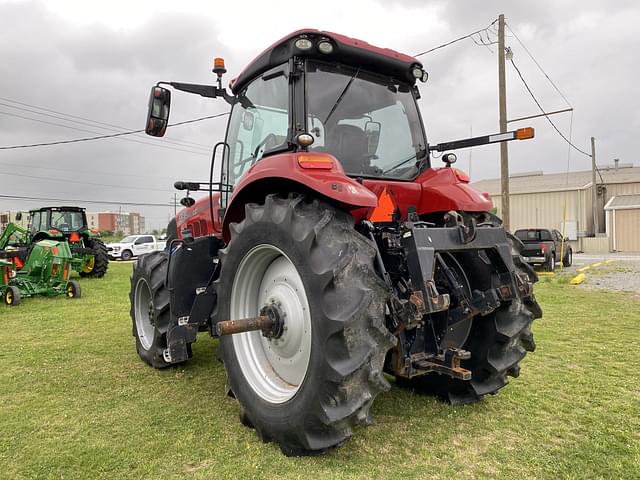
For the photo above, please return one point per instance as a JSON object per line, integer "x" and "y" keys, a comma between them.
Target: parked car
{"x": 134, "y": 246}
{"x": 543, "y": 246}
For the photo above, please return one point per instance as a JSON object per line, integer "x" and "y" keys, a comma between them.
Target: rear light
{"x": 18, "y": 263}
{"x": 543, "y": 248}
{"x": 321, "y": 162}
{"x": 53, "y": 231}
{"x": 461, "y": 176}
{"x": 54, "y": 250}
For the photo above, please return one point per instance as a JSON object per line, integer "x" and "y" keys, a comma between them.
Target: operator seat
{"x": 349, "y": 145}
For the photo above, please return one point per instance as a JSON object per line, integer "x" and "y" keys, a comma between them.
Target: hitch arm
{"x": 520, "y": 134}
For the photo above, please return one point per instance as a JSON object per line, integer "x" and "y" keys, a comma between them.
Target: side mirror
{"x": 158, "y": 114}
{"x": 372, "y": 131}
{"x": 18, "y": 216}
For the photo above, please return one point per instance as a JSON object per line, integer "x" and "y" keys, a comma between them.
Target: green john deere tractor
{"x": 45, "y": 272}
{"x": 70, "y": 224}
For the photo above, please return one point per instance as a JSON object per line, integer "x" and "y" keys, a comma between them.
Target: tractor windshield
{"x": 67, "y": 221}
{"x": 369, "y": 123}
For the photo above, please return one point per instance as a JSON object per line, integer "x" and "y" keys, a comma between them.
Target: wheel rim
{"x": 144, "y": 314}
{"x": 8, "y": 298}
{"x": 274, "y": 368}
{"x": 70, "y": 291}
{"x": 89, "y": 265}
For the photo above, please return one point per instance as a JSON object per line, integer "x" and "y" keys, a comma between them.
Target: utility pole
{"x": 594, "y": 188}
{"x": 502, "y": 99}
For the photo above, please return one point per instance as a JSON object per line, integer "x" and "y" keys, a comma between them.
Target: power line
{"x": 545, "y": 113}
{"x": 63, "y": 180}
{"x": 48, "y": 199}
{"x": 98, "y": 133}
{"x": 164, "y": 140}
{"x": 120, "y": 127}
{"x": 538, "y": 65}
{"x": 120, "y": 134}
{"x": 469, "y": 35}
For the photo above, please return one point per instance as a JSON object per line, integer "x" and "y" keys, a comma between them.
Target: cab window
{"x": 259, "y": 121}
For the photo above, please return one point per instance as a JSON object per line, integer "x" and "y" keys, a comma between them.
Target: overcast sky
{"x": 97, "y": 61}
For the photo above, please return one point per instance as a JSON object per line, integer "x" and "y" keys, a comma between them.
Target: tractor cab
{"x": 58, "y": 221}
{"x": 326, "y": 93}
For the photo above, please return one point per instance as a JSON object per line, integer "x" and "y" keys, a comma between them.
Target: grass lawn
{"x": 76, "y": 402}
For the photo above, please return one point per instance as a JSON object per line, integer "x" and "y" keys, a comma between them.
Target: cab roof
{"x": 58, "y": 209}
{"x": 346, "y": 50}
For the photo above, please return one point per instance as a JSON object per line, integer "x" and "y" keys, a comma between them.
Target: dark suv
{"x": 543, "y": 246}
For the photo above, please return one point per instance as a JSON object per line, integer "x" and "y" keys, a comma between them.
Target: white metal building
{"x": 540, "y": 200}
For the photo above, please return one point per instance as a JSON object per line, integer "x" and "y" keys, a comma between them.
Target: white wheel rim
{"x": 276, "y": 368}
{"x": 143, "y": 314}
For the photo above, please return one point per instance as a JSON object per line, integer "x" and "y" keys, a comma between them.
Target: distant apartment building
{"x": 128, "y": 223}
{"x": 7, "y": 217}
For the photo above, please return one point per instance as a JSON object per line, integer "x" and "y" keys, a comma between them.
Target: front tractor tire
{"x": 11, "y": 296}
{"x": 306, "y": 389}
{"x": 97, "y": 266}
{"x": 150, "y": 313}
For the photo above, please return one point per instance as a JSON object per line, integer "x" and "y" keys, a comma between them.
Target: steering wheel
{"x": 261, "y": 147}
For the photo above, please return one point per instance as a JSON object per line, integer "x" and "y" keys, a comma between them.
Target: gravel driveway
{"x": 623, "y": 274}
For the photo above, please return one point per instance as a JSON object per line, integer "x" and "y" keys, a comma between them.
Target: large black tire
{"x": 172, "y": 233}
{"x": 497, "y": 342}
{"x": 100, "y": 259}
{"x": 349, "y": 340}
{"x": 150, "y": 312}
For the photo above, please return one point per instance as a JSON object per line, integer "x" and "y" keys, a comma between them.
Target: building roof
{"x": 623, "y": 202}
{"x": 534, "y": 182}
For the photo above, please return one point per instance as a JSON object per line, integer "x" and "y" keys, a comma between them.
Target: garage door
{"x": 627, "y": 230}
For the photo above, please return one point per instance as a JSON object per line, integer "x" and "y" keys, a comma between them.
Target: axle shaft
{"x": 229, "y": 327}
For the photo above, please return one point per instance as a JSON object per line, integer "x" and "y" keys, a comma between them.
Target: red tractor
{"x": 330, "y": 252}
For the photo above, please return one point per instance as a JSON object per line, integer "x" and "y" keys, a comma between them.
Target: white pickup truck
{"x": 133, "y": 246}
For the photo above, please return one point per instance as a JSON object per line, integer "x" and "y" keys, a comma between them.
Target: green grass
{"x": 76, "y": 402}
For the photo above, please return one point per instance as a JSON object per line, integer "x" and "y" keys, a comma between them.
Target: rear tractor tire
{"x": 97, "y": 267}
{"x": 498, "y": 342}
{"x": 308, "y": 387}
{"x": 150, "y": 313}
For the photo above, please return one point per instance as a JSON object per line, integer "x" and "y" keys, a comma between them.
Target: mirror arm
{"x": 208, "y": 91}
{"x": 484, "y": 140}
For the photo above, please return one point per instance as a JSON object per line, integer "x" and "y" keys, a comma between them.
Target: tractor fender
{"x": 446, "y": 188}
{"x": 302, "y": 172}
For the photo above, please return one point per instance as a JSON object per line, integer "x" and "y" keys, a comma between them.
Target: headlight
{"x": 303, "y": 44}
{"x": 325, "y": 47}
